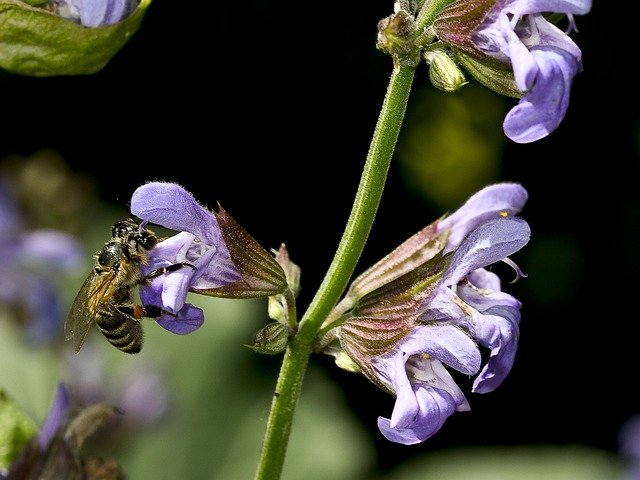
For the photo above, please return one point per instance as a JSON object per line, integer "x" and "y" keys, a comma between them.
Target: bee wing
{"x": 85, "y": 308}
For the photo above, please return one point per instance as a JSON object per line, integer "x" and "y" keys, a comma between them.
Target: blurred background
{"x": 268, "y": 109}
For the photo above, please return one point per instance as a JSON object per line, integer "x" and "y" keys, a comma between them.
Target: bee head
{"x": 137, "y": 236}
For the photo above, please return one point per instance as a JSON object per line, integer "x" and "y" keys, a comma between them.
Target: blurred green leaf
{"x": 222, "y": 395}
{"x": 16, "y": 428}
{"x": 39, "y": 43}
{"x": 527, "y": 462}
{"x": 447, "y": 155}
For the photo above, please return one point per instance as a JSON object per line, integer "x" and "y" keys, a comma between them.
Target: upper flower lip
{"x": 171, "y": 206}
{"x": 487, "y": 244}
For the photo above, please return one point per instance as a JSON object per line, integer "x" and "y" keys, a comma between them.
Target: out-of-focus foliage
{"x": 16, "y": 429}
{"x": 529, "y": 462}
{"x": 447, "y": 156}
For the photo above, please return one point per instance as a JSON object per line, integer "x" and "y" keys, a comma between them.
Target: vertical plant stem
{"x": 355, "y": 236}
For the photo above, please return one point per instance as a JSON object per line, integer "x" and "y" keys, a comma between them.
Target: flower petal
{"x": 57, "y": 417}
{"x": 435, "y": 406}
{"x": 488, "y": 203}
{"x": 541, "y": 111}
{"x": 188, "y": 319}
{"x": 487, "y": 244}
{"x": 499, "y": 332}
{"x": 523, "y": 7}
{"x": 446, "y": 343}
{"x": 171, "y": 206}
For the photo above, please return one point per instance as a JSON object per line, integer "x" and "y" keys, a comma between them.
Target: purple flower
{"x": 30, "y": 263}
{"x": 543, "y": 58}
{"x": 407, "y": 329}
{"x": 95, "y": 13}
{"x": 199, "y": 243}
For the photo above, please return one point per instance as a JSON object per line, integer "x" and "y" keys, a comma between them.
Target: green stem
{"x": 339, "y": 273}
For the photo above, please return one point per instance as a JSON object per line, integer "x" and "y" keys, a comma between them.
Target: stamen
{"x": 572, "y": 27}
{"x": 519, "y": 273}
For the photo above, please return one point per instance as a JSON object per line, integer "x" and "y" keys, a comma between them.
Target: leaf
{"x": 38, "y": 43}
{"x": 16, "y": 429}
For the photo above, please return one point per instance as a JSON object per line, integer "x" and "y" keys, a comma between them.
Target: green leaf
{"x": 38, "y": 43}
{"x": 16, "y": 429}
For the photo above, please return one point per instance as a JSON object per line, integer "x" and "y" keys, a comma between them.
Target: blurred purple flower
{"x": 199, "y": 243}
{"x": 543, "y": 57}
{"x": 629, "y": 448}
{"x": 139, "y": 392}
{"x": 30, "y": 264}
{"x": 95, "y": 13}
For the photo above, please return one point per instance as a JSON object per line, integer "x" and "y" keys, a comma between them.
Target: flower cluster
{"x": 543, "y": 58}
{"x": 507, "y": 45}
{"x": 431, "y": 304}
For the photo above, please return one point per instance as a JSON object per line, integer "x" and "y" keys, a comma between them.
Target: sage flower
{"x": 510, "y": 46}
{"x": 222, "y": 259}
{"x": 544, "y": 60}
{"x": 432, "y": 305}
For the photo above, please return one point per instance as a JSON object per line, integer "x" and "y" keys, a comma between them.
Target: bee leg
{"x": 168, "y": 269}
{"x": 153, "y": 311}
{"x": 140, "y": 311}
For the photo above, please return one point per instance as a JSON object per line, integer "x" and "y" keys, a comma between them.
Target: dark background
{"x": 268, "y": 108}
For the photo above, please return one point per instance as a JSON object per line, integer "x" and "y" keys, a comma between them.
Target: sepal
{"x": 271, "y": 340}
{"x": 413, "y": 252}
{"x": 260, "y": 274}
{"x": 491, "y": 75}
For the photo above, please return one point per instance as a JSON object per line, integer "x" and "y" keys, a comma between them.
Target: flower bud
{"x": 271, "y": 340}
{"x": 443, "y": 72}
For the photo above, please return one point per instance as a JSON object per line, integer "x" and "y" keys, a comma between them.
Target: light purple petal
{"x": 487, "y": 244}
{"x": 551, "y": 36}
{"x": 541, "y": 111}
{"x": 446, "y": 343}
{"x": 435, "y": 406}
{"x": 94, "y": 13}
{"x": 497, "y": 331}
{"x": 171, "y": 206}
{"x": 523, "y": 7}
{"x": 487, "y": 204}
{"x": 188, "y": 319}
{"x": 58, "y": 416}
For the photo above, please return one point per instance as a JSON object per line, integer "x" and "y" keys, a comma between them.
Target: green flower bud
{"x": 271, "y": 340}
{"x": 443, "y": 71}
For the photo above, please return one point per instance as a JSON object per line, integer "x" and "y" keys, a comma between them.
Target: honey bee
{"x": 105, "y": 296}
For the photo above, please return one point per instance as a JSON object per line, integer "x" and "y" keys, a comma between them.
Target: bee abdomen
{"x": 122, "y": 331}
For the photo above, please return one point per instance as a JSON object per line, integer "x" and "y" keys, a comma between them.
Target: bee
{"x": 105, "y": 296}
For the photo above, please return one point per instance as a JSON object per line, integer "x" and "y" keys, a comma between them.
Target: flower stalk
{"x": 357, "y": 230}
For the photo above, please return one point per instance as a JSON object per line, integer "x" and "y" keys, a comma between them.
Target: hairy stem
{"x": 353, "y": 240}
